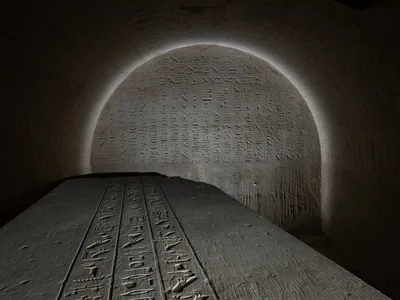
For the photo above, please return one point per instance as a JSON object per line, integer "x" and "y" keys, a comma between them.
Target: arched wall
{"x": 61, "y": 60}
{"x": 218, "y": 115}
{"x": 265, "y": 54}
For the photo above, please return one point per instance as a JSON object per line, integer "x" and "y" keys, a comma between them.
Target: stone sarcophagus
{"x": 159, "y": 238}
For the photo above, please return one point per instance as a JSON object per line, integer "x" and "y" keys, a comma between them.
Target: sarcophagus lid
{"x": 153, "y": 237}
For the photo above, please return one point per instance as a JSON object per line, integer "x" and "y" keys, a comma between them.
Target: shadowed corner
{"x": 18, "y": 204}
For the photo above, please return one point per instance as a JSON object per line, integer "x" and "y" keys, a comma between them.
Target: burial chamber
{"x": 221, "y": 116}
{"x": 63, "y": 61}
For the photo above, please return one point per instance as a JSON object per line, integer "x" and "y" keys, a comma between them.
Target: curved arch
{"x": 295, "y": 80}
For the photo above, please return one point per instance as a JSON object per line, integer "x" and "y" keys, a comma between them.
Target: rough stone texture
{"x": 62, "y": 60}
{"x": 154, "y": 237}
{"x": 221, "y": 116}
{"x": 38, "y": 245}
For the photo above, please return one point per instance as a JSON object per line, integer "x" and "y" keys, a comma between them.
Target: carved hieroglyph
{"x": 159, "y": 238}
{"x": 221, "y": 116}
{"x": 135, "y": 248}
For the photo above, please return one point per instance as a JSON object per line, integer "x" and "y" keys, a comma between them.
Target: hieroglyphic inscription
{"x": 136, "y": 268}
{"x": 91, "y": 272}
{"x": 181, "y": 104}
{"x": 214, "y": 114}
{"x": 135, "y": 249}
{"x": 181, "y": 272}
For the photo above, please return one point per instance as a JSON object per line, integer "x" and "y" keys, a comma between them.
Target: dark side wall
{"x": 60, "y": 59}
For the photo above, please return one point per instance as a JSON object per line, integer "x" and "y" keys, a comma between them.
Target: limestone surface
{"x": 221, "y": 116}
{"x": 153, "y": 237}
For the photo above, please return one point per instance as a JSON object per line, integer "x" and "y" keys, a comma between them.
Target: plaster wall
{"x": 64, "y": 60}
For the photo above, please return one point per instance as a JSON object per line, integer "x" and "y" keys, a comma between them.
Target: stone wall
{"x": 221, "y": 116}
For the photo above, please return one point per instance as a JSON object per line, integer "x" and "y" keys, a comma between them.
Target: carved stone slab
{"x": 220, "y": 116}
{"x": 151, "y": 238}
